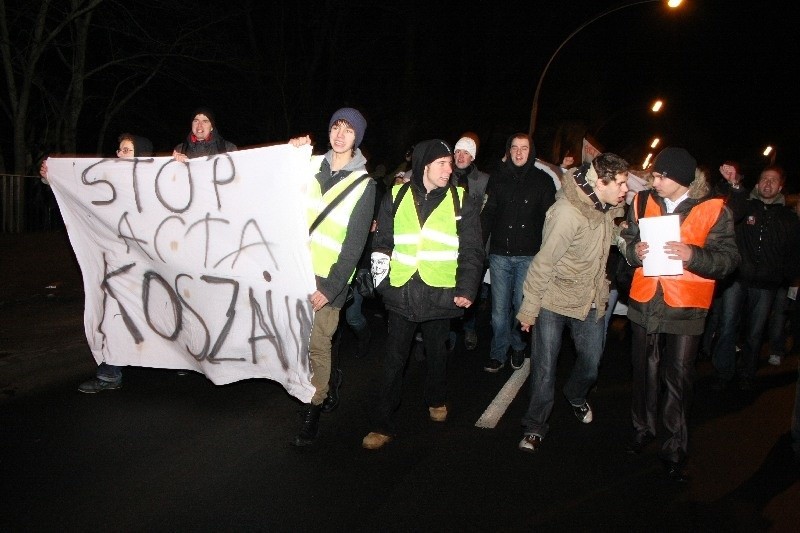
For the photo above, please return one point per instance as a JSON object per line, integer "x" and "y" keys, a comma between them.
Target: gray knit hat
{"x": 354, "y": 118}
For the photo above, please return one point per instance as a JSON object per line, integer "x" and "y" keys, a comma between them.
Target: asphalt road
{"x": 177, "y": 453}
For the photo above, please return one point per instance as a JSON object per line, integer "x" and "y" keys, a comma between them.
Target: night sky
{"x": 421, "y": 69}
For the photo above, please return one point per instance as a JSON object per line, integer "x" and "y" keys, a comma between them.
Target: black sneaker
{"x": 530, "y": 443}
{"x": 96, "y": 385}
{"x": 494, "y": 366}
{"x": 517, "y": 358}
{"x": 583, "y": 412}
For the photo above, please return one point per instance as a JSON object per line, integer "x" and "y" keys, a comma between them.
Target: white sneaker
{"x": 775, "y": 360}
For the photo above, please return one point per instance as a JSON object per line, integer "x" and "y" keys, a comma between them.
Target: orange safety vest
{"x": 687, "y": 289}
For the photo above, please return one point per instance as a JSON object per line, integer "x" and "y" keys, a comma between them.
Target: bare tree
{"x": 35, "y": 31}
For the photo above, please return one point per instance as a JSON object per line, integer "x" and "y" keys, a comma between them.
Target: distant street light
{"x": 535, "y": 106}
{"x": 655, "y": 142}
{"x": 770, "y": 152}
{"x": 657, "y": 105}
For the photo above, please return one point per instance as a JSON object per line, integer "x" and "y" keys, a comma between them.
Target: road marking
{"x": 491, "y": 416}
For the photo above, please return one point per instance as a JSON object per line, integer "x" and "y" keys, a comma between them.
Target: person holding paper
{"x": 667, "y": 312}
{"x": 566, "y": 287}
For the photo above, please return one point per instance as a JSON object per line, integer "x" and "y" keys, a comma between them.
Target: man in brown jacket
{"x": 566, "y": 286}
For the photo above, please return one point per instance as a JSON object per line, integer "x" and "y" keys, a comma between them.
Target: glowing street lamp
{"x": 655, "y": 142}
{"x": 770, "y": 152}
{"x": 657, "y": 105}
{"x": 535, "y": 106}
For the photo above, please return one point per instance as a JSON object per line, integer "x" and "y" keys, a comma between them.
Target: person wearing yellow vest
{"x": 428, "y": 241}
{"x": 667, "y": 313}
{"x": 566, "y": 287}
{"x": 336, "y": 245}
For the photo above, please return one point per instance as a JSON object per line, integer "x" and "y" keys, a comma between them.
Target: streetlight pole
{"x": 535, "y": 105}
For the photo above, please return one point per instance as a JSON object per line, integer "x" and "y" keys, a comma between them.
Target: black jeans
{"x": 398, "y": 345}
{"x": 667, "y": 359}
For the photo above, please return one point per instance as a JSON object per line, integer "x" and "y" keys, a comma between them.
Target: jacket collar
{"x": 572, "y": 193}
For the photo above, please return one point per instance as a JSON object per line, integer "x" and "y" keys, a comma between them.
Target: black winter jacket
{"x": 514, "y": 212}
{"x": 767, "y": 238}
{"x": 216, "y": 145}
{"x": 416, "y": 300}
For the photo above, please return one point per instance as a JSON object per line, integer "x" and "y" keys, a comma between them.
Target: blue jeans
{"x": 110, "y": 373}
{"x": 547, "y": 333}
{"x": 507, "y": 275}
{"x": 781, "y": 309}
{"x": 758, "y": 303}
{"x": 727, "y": 310}
{"x": 613, "y": 298}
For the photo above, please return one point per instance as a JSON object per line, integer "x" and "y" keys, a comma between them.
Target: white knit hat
{"x": 468, "y": 145}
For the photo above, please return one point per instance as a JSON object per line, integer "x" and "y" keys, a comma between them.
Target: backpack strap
{"x": 342, "y": 195}
{"x": 456, "y": 202}
{"x": 404, "y": 188}
{"x": 399, "y": 198}
{"x": 641, "y": 203}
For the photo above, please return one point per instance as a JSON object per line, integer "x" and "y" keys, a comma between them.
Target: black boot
{"x": 363, "y": 336}
{"x": 331, "y": 401}
{"x": 310, "y": 426}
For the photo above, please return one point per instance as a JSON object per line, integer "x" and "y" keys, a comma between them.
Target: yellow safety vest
{"x": 431, "y": 249}
{"x": 327, "y": 238}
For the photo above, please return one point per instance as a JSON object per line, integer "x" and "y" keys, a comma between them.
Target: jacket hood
{"x": 424, "y": 153}
{"x": 358, "y": 161}
{"x": 699, "y": 187}
{"x": 572, "y": 193}
{"x": 779, "y": 200}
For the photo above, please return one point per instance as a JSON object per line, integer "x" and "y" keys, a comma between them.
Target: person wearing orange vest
{"x": 667, "y": 313}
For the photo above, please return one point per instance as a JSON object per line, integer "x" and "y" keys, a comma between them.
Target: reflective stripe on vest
{"x": 327, "y": 238}
{"x": 431, "y": 249}
{"x": 687, "y": 289}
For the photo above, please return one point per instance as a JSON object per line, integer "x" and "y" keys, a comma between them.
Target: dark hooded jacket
{"x": 214, "y": 145}
{"x": 416, "y": 300}
{"x": 518, "y": 198}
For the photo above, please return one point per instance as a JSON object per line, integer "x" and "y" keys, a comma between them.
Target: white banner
{"x": 202, "y": 265}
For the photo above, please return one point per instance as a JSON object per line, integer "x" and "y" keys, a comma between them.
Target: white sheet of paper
{"x": 792, "y": 294}
{"x": 656, "y": 232}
